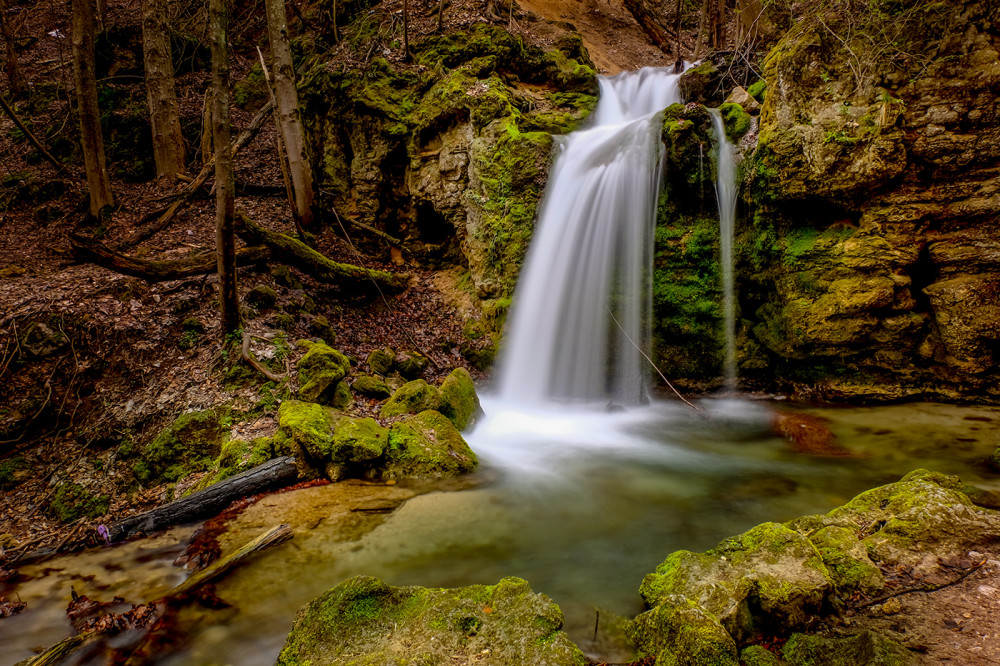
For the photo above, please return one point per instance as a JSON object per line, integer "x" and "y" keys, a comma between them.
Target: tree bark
{"x": 225, "y": 237}
{"x": 86, "y": 93}
{"x": 14, "y": 77}
{"x": 287, "y": 108}
{"x": 9, "y": 110}
{"x": 161, "y": 93}
{"x": 300, "y": 255}
{"x": 406, "y": 31}
{"x": 275, "y": 473}
{"x": 150, "y": 270}
{"x": 659, "y": 34}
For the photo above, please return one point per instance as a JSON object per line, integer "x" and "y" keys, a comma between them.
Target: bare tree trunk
{"x": 206, "y": 129}
{"x": 336, "y": 35}
{"x": 406, "y": 31}
{"x": 702, "y": 24}
{"x": 14, "y": 76}
{"x": 161, "y": 93}
{"x": 650, "y": 23}
{"x": 225, "y": 211}
{"x": 287, "y": 100}
{"x": 441, "y": 15}
{"x": 86, "y": 93}
{"x": 749, "y": 13}
{"x": 677, "y": 29}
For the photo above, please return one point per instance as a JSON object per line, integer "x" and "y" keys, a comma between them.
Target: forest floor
{"x": 127, "y": 364}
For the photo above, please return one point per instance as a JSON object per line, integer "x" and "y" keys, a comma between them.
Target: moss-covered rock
{"x": 412, "y": 398}
{"x": 320, "y": 372}
{"x": 13, "y": 471}
{"x": 365, "y": 622}
{"x": 261, "y": 296}
{"x": 40, "y": 341}
{"x": 371, "y": 386}
{"x": 381, "y": 361}
{"x": 72, "y": 502}
{"x": 239, "y": 455}
{"x": 357, "y": 446}
{"x": 755, "y": 655}
{"x": 865, "y": 648}
{"x": 305, "y": 430}
{"x": 459, "y": 401}
{"x": 736, "y": 120}
{"x": 190, "y": 444}
{"x": 682, "y": 633}
{"x": 427, "y": 445}
{"x": 411, "y": 364}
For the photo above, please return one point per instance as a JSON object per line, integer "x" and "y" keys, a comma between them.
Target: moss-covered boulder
{"x": 459, "y": 401}
{"x": 364, "y": 621}
{"x": 40, "y": 341}
{"x": 320, "y": 371}
{"x": 411, "y": 364}
{"x": 412, "y": 398}
{"x": 371, "y": 386}
{"x": 773, "y": 578}
{"x": 13, "y": 472}
{"x": 427, "y": 445}
{"x": 190, "y": 444}
{"x": 381, "y": 361}
{"x": 305, "y": 430}
{"x": 355, "y": 441}
{"x": 72, "y": 502}
{"x": 239, "y": 455}
{"x": 865, "y": 648}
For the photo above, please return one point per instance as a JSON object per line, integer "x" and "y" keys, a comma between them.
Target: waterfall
{"x": 725, "y": 192}
{"x": 581, "y": 310}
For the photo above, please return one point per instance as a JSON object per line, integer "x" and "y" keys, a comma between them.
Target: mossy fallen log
{"x": 303, "y": 257}
{"x": 87, "y": 249}
{"x": 210, "y": 501}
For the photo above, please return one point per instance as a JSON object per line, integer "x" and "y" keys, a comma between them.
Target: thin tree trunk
{"x": 86, "y": 93}
{"x": 336, "y": 34}
{"x": 287, "y": 111}
{"x": 225, "y": 237}
{"x": 677, "y": 29}
{"x": 9, "y": 110}
{"x": 658, "y": 33}
{"x": 441, "y": 15}
{"x": 14, "y": 76}
{"x": 702, "y": 24}
{"x": 161, "y": 93}
{"x": 406, "y": 31}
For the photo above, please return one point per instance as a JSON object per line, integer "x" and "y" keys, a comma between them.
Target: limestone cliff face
{"x": 449, "y": 154}
{"x": 869, "y": 244}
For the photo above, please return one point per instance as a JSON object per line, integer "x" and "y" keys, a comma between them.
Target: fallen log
{"x": 164, "y": 218}
{"x": 31, "y": 137}
{"x": 210, "y": 501}
{"x": 222, "y": 565}
{"x": 90, "y": 250}
{"x": 303, "y": 257}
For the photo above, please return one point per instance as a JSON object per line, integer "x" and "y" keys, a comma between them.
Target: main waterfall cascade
{"x": 725, "y": 192}
{"x": 591, "y": 256}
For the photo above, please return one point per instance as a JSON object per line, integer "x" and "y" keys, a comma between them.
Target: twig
{"x": 924, "y": 588}
{"x": 255, "y": 364}
{"x": 646, "y": 356}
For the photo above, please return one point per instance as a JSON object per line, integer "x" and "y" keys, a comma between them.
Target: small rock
{"x": 891, "y": 607}
{"x": 744, "y": 99}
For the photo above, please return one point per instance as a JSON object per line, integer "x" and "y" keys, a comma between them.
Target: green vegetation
{"x": 427, "y": 445}
{"x": 72, "y": 502}
{"x": 411, "y": 398}
{"x": 12, "y": 472}
{"x": 320, "y": 373}
{"x": 190, "y": 444}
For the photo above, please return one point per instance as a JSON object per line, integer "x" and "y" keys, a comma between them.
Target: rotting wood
{"x": 303, "y": 257}
{"x": 166, "y": 217}
{"x": 87, "y": 249}
{"x": 222, "y": 565}
{"x": 58, "y": 652}
{"x": 210, "y": 501}
{"x": 659, "y": 34}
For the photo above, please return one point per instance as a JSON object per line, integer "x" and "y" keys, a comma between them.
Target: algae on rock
{"x": 364, "y": 621}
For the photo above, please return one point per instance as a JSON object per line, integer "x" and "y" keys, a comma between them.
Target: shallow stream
{"x": 581, "y": 505}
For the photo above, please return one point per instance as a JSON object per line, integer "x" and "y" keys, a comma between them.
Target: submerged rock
{"x": 365, "y": 621}
{"x": 774, "y": 578}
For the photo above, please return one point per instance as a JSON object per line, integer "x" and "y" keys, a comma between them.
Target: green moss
{"x": 358, "y": 440}
{"x": 320, "y": 372}
{"x": 239, "y": 455}
{"x": 251, "y": 92}
{"x": 371, "y": 386}
{"x": 381, "y": 361}
{"x": 736, "y": 120}
{"x": 411, "y": 364}
{"x": 429, "y": 446}
{"x": 189, "y": 444}
{"x": 188, "y": 340}
{"x": 459, "y": 401}
{"x": 756, "y": 655}
{"x": 865, "y": 648}
{"x": 12, "y": 472}
{"x": 411, "y": 398}
{"x": 758, "y": 90}
{"x": 308, "y": 427}
{"x": 72, "y": 502}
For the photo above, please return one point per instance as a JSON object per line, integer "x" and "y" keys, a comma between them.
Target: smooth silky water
{"x": 575, "y": 494}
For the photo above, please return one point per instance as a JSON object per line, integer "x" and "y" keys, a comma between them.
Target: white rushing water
{"x": 580, "y": 313}
{"x": 725, "y": 192}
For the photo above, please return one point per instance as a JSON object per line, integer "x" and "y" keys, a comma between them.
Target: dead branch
{"x": 223, "y": 565}
{"x": 658, "y": 33}
{"x": 167, "y": 216}
{"x": 31, "y": 137}
{"x": 303, "y": 257}
{"x": 255, "y": 364}
{"x": 90, "y": 250}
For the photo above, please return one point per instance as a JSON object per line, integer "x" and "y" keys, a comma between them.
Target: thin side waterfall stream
{"x": 726, "y": 192}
